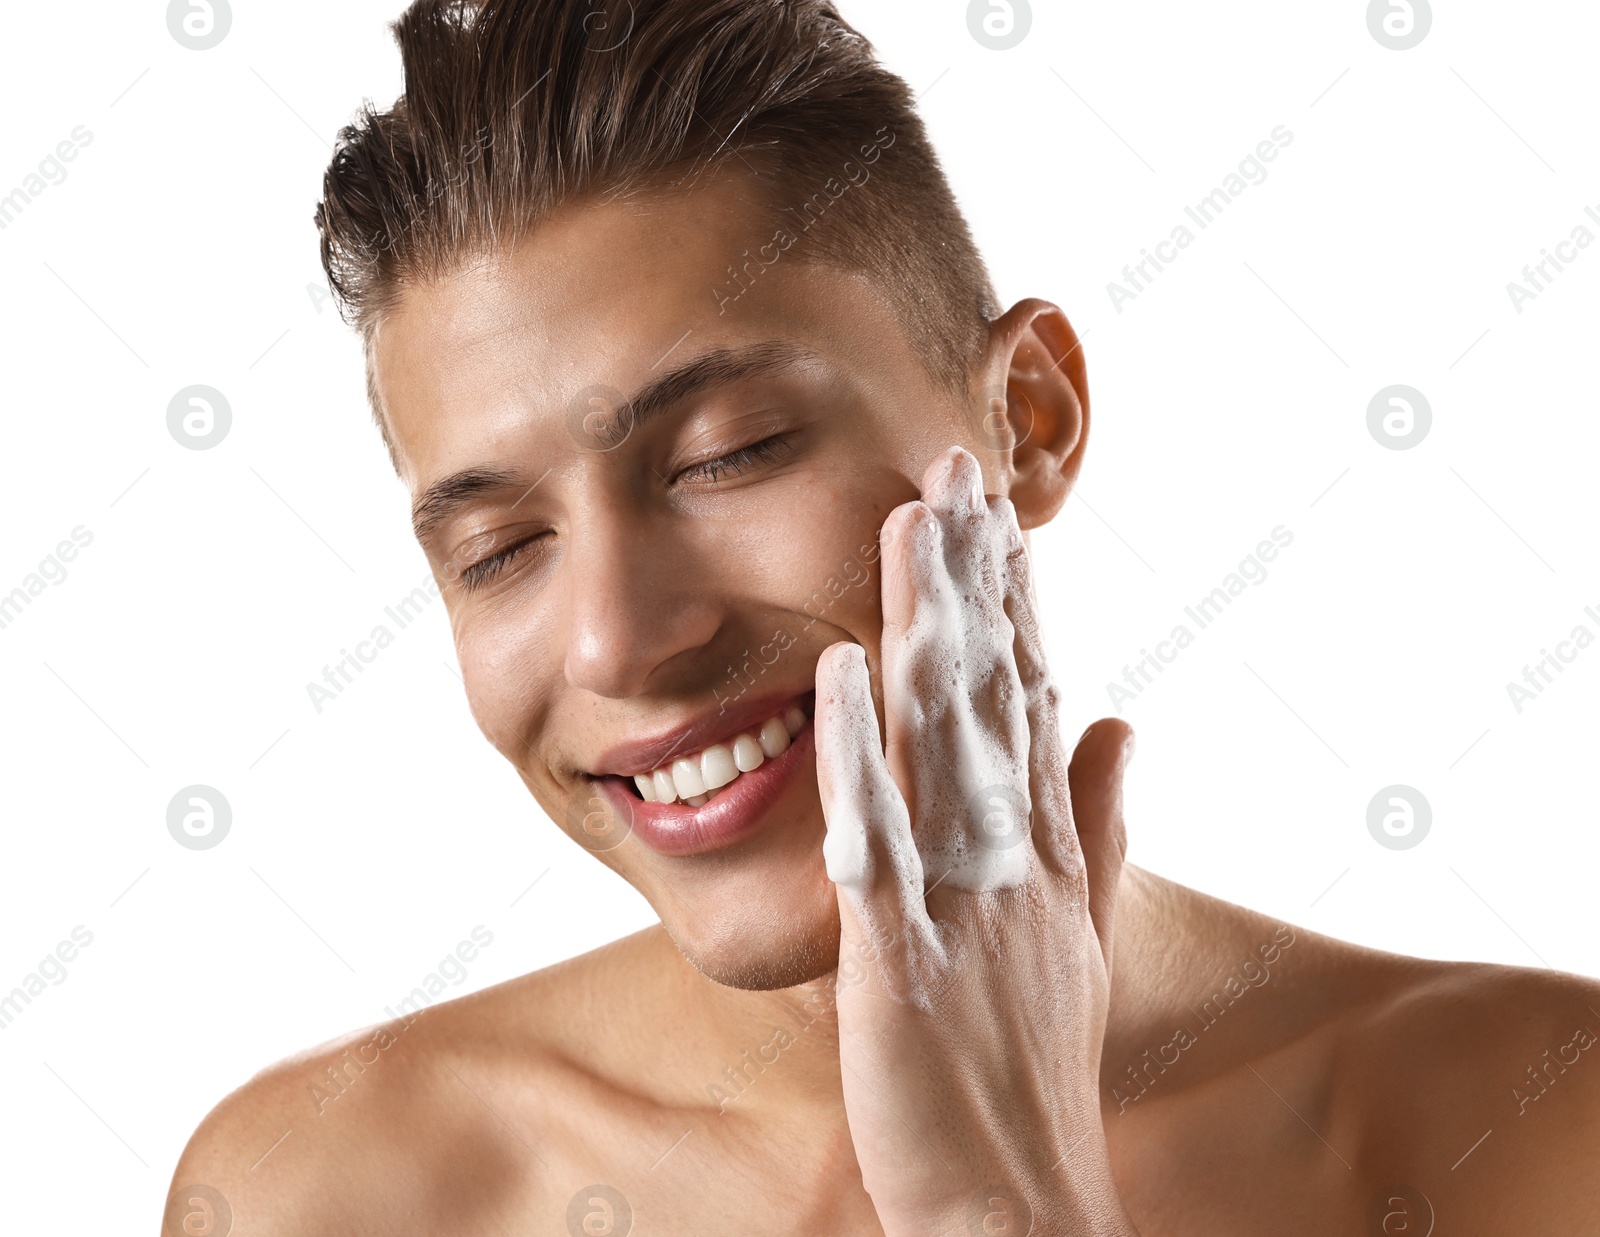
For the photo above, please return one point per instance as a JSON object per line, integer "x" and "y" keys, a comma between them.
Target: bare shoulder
{"x": 416, "y": 1124}
{"x": 1479, "y": 1086}
{"x": 1317, "y": 1086}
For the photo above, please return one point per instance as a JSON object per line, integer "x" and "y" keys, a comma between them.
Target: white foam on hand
{"x": 848, "y": 753}
{"x": 955, "y": 708}
{"x": 952, "y": 685}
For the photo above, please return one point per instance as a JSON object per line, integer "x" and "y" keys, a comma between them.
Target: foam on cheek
{"x": 957, "y": 692}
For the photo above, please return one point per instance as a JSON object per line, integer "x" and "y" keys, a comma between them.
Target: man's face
{"x": 628, "y": 591}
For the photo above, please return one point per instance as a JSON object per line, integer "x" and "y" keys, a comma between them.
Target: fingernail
{"x": 1006, "y": 512}
{"x": 972, "y": 494}
{"x": 844, "y": 854}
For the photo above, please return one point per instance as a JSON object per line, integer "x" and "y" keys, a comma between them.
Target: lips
{"x": 646, "y": 755}
{"x": 698, "y": 776}
{"x": 735, "y": 812}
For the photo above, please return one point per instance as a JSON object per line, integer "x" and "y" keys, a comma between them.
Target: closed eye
{"x": 484, "y": 571}
{"x": 767, "y": 451}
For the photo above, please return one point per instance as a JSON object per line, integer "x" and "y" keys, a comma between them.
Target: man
{"x": 723, "y": 454}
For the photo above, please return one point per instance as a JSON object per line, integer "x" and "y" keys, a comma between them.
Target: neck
{"x": 769, "y": 1051}
{"x": 774, "y": 1054}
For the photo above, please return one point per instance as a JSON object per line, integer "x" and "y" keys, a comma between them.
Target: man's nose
{"x": 635, "y": 602}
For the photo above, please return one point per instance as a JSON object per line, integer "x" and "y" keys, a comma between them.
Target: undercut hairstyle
{"x": 514, "y": 108}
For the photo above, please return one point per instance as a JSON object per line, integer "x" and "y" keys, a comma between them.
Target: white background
{"x": 1228, "y": 398}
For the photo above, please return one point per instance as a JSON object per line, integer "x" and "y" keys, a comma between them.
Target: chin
{"x": 778, "y": 941}
{"x": 761, "y": 915}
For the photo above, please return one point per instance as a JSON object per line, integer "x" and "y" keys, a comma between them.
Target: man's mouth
{"x": 709, "y": 783}
{"x": 697, "y": 777}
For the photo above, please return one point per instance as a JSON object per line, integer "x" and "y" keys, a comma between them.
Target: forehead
{"x": 609, "y": 294}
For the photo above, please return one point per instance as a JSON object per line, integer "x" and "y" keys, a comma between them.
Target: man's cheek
{"x": 500, "y": 663}
{"x": 845, "y": 593}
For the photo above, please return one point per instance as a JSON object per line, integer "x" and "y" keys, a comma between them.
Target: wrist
{"x": 1075, "y": 1198}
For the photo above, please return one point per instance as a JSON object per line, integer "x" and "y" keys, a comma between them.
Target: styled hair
{"x": 513, "y": 108}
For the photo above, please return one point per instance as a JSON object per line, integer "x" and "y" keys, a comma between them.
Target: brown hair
{"x": 514, "y": 107}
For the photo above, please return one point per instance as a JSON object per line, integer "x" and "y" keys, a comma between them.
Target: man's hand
{"x": 974, "y": 964}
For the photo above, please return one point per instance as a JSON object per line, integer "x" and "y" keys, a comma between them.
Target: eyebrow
{"x": 717, "y": 367}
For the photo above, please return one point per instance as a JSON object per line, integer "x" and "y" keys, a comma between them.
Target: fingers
{"x": 974, "y": 531}
{"x": 916, "y": 662}
{"x": 955, "y": 710}
{"x": 1096, "y": 775}
{"x": 1054, "y": 834}
{"x": 869, "y": 852}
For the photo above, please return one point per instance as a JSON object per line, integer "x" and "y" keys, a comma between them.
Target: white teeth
{"x": 747, "y": 754}
{"x": 695, "y": 779}
{"x": 716, "y": 767}
{"x": 774, "y": 738}
{"x": 686, "y": 776}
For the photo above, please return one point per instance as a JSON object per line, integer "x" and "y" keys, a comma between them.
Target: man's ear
{"x": 1036, "y": 444}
